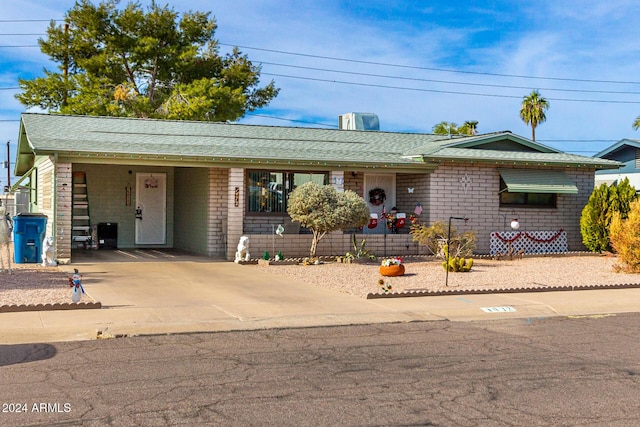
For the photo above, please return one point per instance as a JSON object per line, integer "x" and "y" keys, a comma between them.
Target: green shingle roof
{"x": 79, "y": 137}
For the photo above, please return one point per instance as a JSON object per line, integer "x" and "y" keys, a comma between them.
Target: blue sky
{"x": 412, "y": 63}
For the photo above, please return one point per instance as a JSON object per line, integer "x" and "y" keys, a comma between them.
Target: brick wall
{"x": 480, "y": 203}
{"x": 219, "y": 190}
{"x": 334, "y": 244}
{"x": 407, "y": 201}
{"x": 235, "y": 209}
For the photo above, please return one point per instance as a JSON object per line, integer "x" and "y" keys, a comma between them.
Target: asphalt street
{"x": 557, "y": 371}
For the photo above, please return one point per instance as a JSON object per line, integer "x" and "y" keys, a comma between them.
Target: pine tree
{"x": 135, "y": 63}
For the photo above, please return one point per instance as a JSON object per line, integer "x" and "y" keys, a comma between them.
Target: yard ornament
{"x": 242, "y": 252}
{"x": 6, "y": 226}
{"x": 47, "y": 253}
{"x": 76, "y": 284}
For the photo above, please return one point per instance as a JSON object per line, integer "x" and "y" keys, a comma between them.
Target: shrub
{"x": 434, "y": 236}
{"x": 625, "y": 239}
{"x": 322, "y": 209}
{"x": 598, "y": 213}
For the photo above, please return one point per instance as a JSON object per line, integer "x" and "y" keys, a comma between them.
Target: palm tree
{"x": 445, "y": 128}
{"x": 636, "y": 123}
{"x": 470, "y": 127}
{"x": 532, "y": 111}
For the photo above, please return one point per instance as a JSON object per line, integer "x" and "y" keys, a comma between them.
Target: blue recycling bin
{"x": 28, "y": 234}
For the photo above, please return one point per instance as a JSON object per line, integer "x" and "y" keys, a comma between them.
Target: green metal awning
{"x": 537, "y": 181}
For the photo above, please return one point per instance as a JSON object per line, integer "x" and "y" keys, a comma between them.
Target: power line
{"x": 447, "y": 81}
{"x": 430, "y": 68}
{"x": 391, "y": 65}
{"x": 604, "y": 101}
{"x": 29, "y": 20}
{"x": 290, "y": 120}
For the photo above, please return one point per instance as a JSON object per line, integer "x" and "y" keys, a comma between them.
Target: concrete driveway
{"x": 156, "y": 291}
{"x": 159, "y": 292}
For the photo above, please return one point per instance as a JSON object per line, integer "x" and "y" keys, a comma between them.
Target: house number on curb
{"x": 504, "y": 309}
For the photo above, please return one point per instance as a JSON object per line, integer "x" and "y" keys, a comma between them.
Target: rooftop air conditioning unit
{"x": 359, "y": 121}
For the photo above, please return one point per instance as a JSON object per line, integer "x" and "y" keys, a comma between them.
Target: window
{"x": 269, "y": 191}
{"x": 539, "y": 200}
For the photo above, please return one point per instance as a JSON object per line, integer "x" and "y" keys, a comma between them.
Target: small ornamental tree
{"x": 434, "y": 236}
{"x": 322, "y": 209}
{"x": 625, "y": 239}
{"x": 598, "y": 213}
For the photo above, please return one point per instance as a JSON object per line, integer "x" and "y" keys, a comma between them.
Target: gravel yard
{"x": 420, "y": 275}
{"x": 34, "y": 284}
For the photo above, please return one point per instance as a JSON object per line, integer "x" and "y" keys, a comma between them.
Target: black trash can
{"x": 108, "y": 235}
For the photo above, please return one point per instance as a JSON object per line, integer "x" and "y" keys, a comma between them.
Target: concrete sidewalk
{"x": 198, "y": 295}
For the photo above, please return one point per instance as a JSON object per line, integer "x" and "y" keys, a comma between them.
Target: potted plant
{"x": 392, "y": 267}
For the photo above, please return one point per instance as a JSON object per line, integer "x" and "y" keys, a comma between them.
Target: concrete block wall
{"x": 406, "y": 201}
{"x": 481, "y": 204}
{"x": 106, "y": 194}
{"x": 334, "y": 244}
{"x": 192, "y": 209}
{"x": 354, "y": 181}
{"x": 218, "y": 211}
{"x": 235, "y": 209}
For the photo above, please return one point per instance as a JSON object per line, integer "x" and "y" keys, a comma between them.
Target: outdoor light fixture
{"x": 515, "y": 224}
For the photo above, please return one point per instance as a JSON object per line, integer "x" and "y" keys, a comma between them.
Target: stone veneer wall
{"x": 481, "y": 204}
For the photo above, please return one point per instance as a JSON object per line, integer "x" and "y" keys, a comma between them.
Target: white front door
{"x": 151, "y": 208}
{"x": 374, "y": 185}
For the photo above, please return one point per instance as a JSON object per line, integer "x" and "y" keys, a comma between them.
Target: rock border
{"x": 12, "y": 308}
{"x": 425, "y": 293}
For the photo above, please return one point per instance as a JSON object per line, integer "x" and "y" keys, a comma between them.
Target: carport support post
{"x": 235, "y": 211}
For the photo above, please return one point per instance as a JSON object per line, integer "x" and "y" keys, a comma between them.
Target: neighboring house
{"x": 627, "y": 152}
{"x": 199, "y": 186}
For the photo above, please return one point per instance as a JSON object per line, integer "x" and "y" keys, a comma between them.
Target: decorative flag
{"x": 418, "y": 209}
{"x": 280, "y": 230}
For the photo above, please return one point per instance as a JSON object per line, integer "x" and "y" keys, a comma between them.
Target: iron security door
{"x": 151, "y": 208}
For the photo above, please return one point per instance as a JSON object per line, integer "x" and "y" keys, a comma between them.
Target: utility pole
{"x": 8, "y": 167}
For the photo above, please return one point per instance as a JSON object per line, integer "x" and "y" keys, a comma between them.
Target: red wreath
{"x": 377, "y": 196}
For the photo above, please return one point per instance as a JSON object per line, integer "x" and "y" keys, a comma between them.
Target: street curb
{"x": 419, "y": 293}
{"x": 49, "y": 307}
